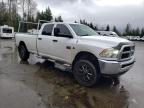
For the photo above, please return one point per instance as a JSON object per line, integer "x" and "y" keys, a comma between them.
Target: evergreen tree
{"x": 75, "y": 22}
{"x": 59, "y": 19}
{"x": 116, "y": 30}
{"x": 142, "y": 32}
{"x": 137, "y": 32}
{"x": 38, "y": 16}
{"x": 128, "y": 29}
{"x": 133, "y": 32}
{"x": 108, "y": 28}
{"x": 91, "y": 25}
{"x": 84, "y": 22}
{"x": 48, "y": 15}
{"x": 44, "y": 15}
{"x": 81, "y": 21}
{"x": 96, "y": 27}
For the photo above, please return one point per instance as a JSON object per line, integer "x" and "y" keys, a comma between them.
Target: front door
{"x": 62, "y": 45}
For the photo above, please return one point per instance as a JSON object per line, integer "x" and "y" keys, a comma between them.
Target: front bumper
{"x": 115, "y": 67}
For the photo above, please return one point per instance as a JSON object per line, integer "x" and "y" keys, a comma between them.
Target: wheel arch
{"x": 22, "y": 43}
{"x": 86, "y": 55}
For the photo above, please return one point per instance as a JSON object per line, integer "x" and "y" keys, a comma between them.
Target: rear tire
{"x": 23, "y": 52}
{"x": 86, "y": 73}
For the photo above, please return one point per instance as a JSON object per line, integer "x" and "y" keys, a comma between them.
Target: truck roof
{"x": 61, "y": 23}
{"x": 106, "y": 31}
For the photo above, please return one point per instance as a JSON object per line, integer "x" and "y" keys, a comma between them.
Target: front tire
{"x": 23, "y": 52}
{"x": 86, "y": 73}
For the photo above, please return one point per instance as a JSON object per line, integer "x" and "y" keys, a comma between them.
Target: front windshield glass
{"x": 83, "y": 30}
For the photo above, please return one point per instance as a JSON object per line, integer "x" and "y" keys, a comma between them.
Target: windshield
{"x": 7, "y": 30}
{"x": 83, "y": 30}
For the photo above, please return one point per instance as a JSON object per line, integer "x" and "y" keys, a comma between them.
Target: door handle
{"x": 68, "y": 47}
{"x": 55, "y": 40}
{"x": 39, "y": 38}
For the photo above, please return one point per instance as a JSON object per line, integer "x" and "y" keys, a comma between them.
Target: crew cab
{"x": 79, "y": 48}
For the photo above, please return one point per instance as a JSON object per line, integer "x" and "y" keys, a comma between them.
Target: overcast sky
{"x": 101, "y": 12}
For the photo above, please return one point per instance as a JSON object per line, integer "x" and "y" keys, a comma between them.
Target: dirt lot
{"x": 37, "y": 84}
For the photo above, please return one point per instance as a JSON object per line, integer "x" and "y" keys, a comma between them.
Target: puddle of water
{"x": 68, "y": 92}
{"x": 8, "y": 51}
{"x": 0, "y": 57}
{"x": 18, "y": 95}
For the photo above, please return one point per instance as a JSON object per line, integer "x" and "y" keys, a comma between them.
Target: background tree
{"x": 22, "y": 7}
{"x": 91, "y": 25}
{"x": 9, "y": 13}
{"x": 128, "y": 29}
{"x": 132, "y": 32}
{"x": 75, "y": 21}
{"x": 2, "y": 13}
{"x": 142, "y": 32}
{"x": 58, "y": 19}
{"x": 137, "y": 31}
{"x": 96, "y": 27}
{"x": 44, "y": 15}
{"x": 48, "y": 15}
{"x": 108, "y": 28}
{"x": 116, "y": 30}
{"x": 28, "y": 8}
{"x": 31, "y": 10}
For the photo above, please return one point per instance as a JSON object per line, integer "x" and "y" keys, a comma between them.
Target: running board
{"x": 58, "y": 64}
{"x": 63, "y": 67}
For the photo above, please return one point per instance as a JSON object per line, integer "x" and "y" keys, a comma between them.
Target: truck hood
{"x": 105, "y": 41}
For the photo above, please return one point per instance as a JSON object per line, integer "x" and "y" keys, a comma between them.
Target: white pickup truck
{"x": 80, "y": 48}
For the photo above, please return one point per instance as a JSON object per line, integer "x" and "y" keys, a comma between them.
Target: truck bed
{"x": 29, "y": 39}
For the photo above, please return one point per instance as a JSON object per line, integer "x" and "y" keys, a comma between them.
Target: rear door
{"x": 44, "y": 41}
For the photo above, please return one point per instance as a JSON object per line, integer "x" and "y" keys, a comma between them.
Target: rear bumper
{"x": 7, "y": 36}
{"x": 114, "y": 67}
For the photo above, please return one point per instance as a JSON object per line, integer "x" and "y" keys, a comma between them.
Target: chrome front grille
{"x": 126, "y": 52}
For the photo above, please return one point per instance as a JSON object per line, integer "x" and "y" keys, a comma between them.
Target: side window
{"x": 63, "y": 30}
{"x": 47, "y": 30}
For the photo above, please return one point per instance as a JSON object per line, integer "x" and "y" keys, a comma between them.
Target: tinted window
{"x": 64, "y": 31}
{"x": 47, "y": 30}
{"x": 7, "y": 30}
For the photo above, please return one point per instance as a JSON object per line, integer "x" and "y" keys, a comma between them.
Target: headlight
{"x": 109, "y": 53}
